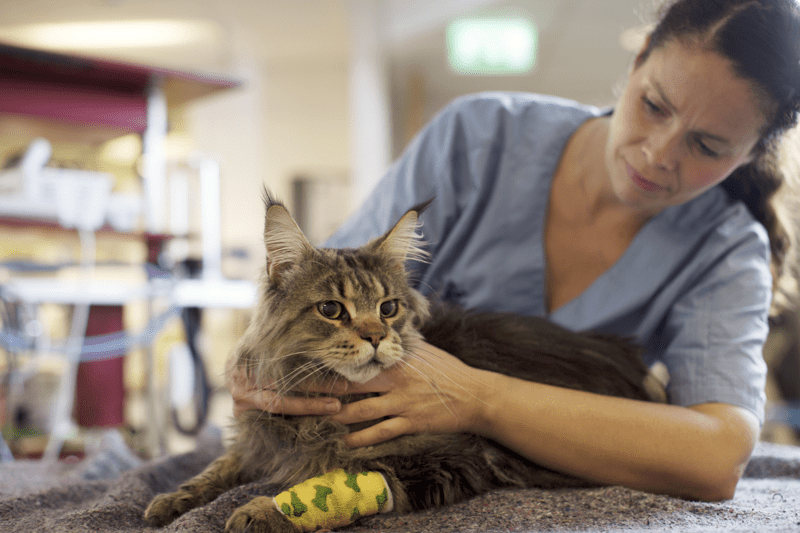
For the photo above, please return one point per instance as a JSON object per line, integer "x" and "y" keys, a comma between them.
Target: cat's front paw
{"x": 259, "y": 516}
{"x": 167, "y": 507}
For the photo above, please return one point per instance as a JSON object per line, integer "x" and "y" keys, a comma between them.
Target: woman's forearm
{"x": 696, "y": 453}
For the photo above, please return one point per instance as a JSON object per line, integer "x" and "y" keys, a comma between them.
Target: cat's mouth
{"x": 362, "y": 372}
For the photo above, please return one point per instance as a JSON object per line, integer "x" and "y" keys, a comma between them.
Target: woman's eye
{"x": 705, "y": 150}
{"x": 652, "y": 107}
{"x": 331, "y": 310}
{"x": 389, "y": 309}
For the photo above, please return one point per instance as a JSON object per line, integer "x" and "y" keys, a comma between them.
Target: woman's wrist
{"x": 489, "y": 395}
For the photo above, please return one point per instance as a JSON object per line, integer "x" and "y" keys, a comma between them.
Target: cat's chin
{"x": 367, "y": 365}
{"x": 361, "y": 374}
{"x": 365, "y": 372}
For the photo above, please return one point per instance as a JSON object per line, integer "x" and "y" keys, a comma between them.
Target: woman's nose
{"x": 661, "y": 148}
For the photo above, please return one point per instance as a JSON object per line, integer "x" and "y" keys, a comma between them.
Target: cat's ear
{"x": 403, "y": 241}
{"x": 285, "y": 242}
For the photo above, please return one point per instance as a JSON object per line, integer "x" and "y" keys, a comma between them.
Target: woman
{"x": 649, "y": 222}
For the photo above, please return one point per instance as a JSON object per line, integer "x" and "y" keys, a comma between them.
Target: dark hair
{"x": 761, "y": 38}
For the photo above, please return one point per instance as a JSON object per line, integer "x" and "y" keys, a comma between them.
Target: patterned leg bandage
{"x": 335, "y": 499}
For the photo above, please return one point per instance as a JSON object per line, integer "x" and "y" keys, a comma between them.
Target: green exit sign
{"x": 493, "y": 47}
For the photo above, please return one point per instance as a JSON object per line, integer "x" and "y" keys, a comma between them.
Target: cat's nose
{"x": 374, "y": 337}
{"x": 371, "y": 330}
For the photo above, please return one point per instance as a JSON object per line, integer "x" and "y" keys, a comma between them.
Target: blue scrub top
{"x": 693, "y": 287}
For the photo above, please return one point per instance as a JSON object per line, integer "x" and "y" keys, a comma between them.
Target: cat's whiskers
{"x": 325, "y": 371}
{"x": 445, "y": 401}
{"x": 436, "y": 367}
{"x": 290, "y": 355}
{"x": 438, "y": 363}
{"x": 430, "y": 287}
{"x": 290, "y": 381}
{"x": 336, "y": 378}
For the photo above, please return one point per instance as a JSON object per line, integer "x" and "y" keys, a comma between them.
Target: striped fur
{"x": 326, "y": 315}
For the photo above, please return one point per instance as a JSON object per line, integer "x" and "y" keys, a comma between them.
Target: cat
{"x": 351, "y": 313}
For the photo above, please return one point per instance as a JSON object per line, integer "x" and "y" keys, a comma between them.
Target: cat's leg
{"x": 457, "y": 468}
{"x": 221, "y": 475}
{"x": 259, "y": 515}
{"x": 468, "y": 467}
{"x": 329, "y": 501}
{"x": 424, "y": 471}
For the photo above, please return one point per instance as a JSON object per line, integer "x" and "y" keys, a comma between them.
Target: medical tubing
{"x": 100, "y": 347}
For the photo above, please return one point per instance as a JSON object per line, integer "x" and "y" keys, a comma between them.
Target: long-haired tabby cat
{"x": 351, "y": 313}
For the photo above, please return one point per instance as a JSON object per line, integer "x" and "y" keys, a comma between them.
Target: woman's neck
{"x": 587, "y": 175}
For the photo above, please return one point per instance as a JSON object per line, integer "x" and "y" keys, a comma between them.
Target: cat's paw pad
{"x": 259, "y": 516}
{"x": 167, "y": 507}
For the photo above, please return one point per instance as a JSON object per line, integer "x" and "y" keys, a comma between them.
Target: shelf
{"x": 90, "y": 91}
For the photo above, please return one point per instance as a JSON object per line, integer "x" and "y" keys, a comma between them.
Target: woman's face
{"x": 683, "y": 124}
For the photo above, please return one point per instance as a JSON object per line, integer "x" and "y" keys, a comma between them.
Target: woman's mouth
{"x": 641, "y": 182}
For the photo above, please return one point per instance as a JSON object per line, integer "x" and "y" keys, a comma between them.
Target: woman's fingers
{"x": 431, "y": 392}
{"x": 246, "y": 396}
{"x": 268, "y": 400}
{"x": 383, "y": 431}
{"x": 366, "y": 410}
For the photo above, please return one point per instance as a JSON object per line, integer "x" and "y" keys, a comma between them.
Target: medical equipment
{"x": 81, "y": 200}
{"x": 74, "y": 198}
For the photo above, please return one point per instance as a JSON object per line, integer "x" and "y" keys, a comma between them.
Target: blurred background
{"x": 329, "y": 88}
{"x": 312, "y": 98}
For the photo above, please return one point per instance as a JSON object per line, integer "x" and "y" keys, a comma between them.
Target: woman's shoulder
{"x": 718, "y": 224}
{"x": 517, "y": 121}
{"x": 715, "y": 210}
{"x": 504, "y": 104}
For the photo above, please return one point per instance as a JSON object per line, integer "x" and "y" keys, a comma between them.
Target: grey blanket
{"x": 110, "y": 490}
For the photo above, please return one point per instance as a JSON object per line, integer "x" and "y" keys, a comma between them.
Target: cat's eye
{"x": 331, "y": 310}
{"x": 389, "y": 309}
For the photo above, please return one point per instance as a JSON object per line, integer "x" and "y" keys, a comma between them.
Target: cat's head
{"x": 327, "y": 313}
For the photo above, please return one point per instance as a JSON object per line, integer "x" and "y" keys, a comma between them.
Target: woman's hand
{"x": 247, "y": 396}
{"x": 432, "y": 391}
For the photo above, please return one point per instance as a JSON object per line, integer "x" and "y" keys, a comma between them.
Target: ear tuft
{"x": 286, "y": 245}
{"x": 404, "y": 242}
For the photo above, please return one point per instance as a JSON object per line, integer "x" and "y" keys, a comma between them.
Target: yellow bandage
{"x": 335, "y": 499}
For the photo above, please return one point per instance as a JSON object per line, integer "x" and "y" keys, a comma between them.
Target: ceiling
{"x": 291, "y": 30}
{"x": 246, "y": 30}
{"x": 579, "y": 50}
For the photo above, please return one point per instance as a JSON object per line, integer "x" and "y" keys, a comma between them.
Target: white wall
{"x": 287, "y": 120}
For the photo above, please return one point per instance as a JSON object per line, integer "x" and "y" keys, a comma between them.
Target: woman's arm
{"x": 696, "y": 453}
